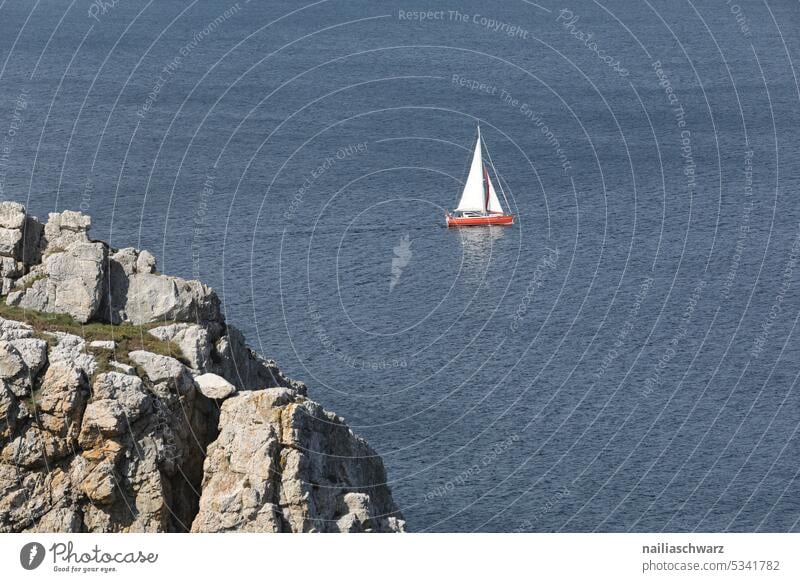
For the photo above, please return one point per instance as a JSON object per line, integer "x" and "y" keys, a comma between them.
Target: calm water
{"x": 624, "y": 358}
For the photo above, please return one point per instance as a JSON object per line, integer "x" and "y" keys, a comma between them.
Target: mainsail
{"x": 479, "y": 194}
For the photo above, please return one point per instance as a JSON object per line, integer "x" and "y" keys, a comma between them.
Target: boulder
{"x": 101, "y": 419}
{"x": 214, "y": 387}
{"x": 13, "y": 371}
{"x": 11, "y": 362}
{"x": 12, "y": 215}
{"x": 9, "y": 242}
{"x": 20, "y": 240}
{"x": 192, "y": 339}
{"x": 65, "y": 229}
{"x": 73, "y": 283}
{"x": 150, "y": 297}
{"x": 145, "y": 262}
{"x": 167, "y": 374}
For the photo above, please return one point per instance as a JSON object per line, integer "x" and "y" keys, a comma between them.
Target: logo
{"x": 402, "y": 256}
{"x": 31, "y": 555}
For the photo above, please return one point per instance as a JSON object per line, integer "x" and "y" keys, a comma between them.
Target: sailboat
{"x": 479, "y": 204}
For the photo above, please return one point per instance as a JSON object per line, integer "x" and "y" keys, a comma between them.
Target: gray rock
{"x": 126, "y": 259}
{"x": 11, "y": 329}
{"x": 33, "y": 352}
{"x": 12, "y": 215}
{"x": 145, "y": 262}
{"x": 71, "y": 349}
{"x": 65, "y": 229}
{"x": 13, "y": 370}
{"x": 281, "y": 463}
{"x": 157, "y": 367}
{"x": 9, "y": 242}
{"x": 61, "y": 401}
{"x": 192, "y": 339}
{"x": 214, "y": 387}
{"x": 101, "y": 419}
{"x": 10, "y": 268}
{"x": 150, "y": 298}
{"x": 127, "y": 391}
{"x": 164, "y": 370}
{"x": 11, "y": 362}
{"x": 28, "y": 450}
{"x": 103, "y": 344}
{"x": 73, "y": 285}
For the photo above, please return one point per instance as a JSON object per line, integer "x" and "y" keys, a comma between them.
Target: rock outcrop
{"x": 282, "y": 463}
{"x": 190, "y": 431}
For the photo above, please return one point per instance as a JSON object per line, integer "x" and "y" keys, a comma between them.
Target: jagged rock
{"x": 127, "y": 391}
{"x": 11, "y": 362}
{"x": 73, "y": 284}
{"x": 281, "y": 463}
{"x": 126, "y": 259}
{"x": 100, "y": 484}
{"x": 72, "y": 350}
{"x": 10, "y": 268}
{"x": 101, "y": 419}
{"x": 9, "y": 242}
{"x": 61, "y": 401}
{"x": 145, "y": 262}
{"x": 65, "y": 229}
{"x": 151, "y": 297}
{"x": 29, "y": 497}
{"x": 19, "y": 243}
{"x": 34, "y": 448}
{"x": 160, "y": 368}
{"x": 13, "y": 370}
{"x": 12, "y": 215}
{"x": 214, "y": 387}
{"x": 33, "y": 352}
{"x": 192, "y": 339}
{"x": 10, "y": 329}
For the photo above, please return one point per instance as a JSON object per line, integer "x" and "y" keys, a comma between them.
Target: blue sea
{"x": 624, "y": 358}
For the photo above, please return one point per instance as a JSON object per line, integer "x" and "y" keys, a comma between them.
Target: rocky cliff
{"x": 128, "y": 404}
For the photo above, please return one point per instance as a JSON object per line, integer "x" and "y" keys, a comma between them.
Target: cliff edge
{"x": 128, "y": 404}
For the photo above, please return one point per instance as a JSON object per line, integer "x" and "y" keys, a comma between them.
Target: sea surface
{"x": 624, "y": 358}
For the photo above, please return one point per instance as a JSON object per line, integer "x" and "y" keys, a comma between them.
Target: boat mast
{"x": 484, "y": 174}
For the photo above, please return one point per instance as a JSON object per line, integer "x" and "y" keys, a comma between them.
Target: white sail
{"x": 494, "y": 201}
{"x": 473, "y": 197}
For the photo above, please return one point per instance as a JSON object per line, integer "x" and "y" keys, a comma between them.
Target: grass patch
{"x": 128, "y": 337}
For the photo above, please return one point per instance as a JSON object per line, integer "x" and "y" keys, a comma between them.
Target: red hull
{"x": 480, "y": 220}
